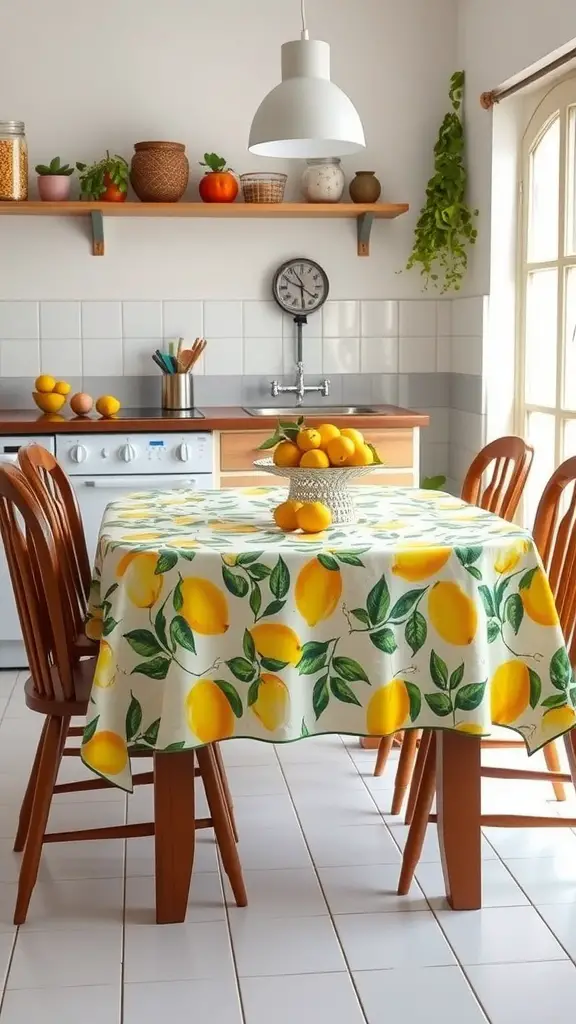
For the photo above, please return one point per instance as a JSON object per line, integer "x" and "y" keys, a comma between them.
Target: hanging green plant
{"x": 445, "y": 227}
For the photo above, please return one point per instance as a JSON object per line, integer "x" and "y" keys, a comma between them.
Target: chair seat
{"x": 83, "y": 675}
{"x": 86, "y": 648}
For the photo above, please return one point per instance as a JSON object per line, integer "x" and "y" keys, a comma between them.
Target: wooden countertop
{"x": 29, "y": 421}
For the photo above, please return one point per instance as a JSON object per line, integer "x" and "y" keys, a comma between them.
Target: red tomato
{"x": 112, "y": 193}
{"x": 218, "y": 187}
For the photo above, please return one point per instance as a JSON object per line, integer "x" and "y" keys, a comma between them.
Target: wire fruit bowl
{"x": 330, "y": 486}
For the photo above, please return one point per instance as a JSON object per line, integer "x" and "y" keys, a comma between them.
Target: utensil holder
{"x": 177, "y": 391}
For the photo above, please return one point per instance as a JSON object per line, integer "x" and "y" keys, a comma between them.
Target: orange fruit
{"x": 313, "y": 517}
{"x": 362, "y": 456}
{"x": 315, "y": 459}
{"x": 354, "y": 435}
{"x": 340, "y": 449}
{"x": 285, "y": 515}
{"x": 327, "y": 432}
{"x": 286, "y": 454}
{"x": 308, "y": 438}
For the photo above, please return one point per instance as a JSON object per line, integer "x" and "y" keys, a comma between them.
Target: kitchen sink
{"x": 321, "y": 410}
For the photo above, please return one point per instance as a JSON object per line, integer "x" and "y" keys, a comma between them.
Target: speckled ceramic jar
{"x": 323, "y": 181}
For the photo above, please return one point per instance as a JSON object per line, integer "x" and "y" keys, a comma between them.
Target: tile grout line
{"x": 228, "y": 929}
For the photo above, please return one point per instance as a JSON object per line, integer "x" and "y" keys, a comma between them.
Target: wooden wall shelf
{"x": 363, "y": 213}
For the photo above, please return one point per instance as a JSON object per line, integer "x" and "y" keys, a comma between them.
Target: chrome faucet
{"x": 299, "y": 388}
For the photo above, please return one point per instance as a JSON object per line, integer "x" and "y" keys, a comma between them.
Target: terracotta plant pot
{"x": 54, "y": 187}
{"x": 159, "y": 171}
{"x": 365, "y": 187}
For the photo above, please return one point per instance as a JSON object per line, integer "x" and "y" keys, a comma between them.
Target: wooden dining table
{"x": 427, "y": 613}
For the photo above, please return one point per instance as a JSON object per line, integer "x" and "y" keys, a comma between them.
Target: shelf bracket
{"x": 97, "y": 232}
{"x": 364, "y": 227}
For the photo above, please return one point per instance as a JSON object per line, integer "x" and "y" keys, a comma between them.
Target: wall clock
{"x": 300, "y": 287}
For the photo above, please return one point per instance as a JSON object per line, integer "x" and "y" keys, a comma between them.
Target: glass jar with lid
{"x": 13, "y": 161}
{"x": 323, "y": 180}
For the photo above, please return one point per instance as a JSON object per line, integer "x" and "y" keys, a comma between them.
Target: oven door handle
{"x": 134, "y": 482}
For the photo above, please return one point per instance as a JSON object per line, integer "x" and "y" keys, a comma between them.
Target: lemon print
{"x": 136, "y": 513}
{"x": 453, "y": 614}
{"x": 204, "y": 606}
{"x": 318, "y": 591}
{"x": 219, "y": 527}
{"x": 509, "y": 557}
{"x": 471, "y": 727}
{"x": 538, "y": 600}
{"x": 142, "y": 585}
{"x": 418, "y": 561}
{"x": 185, "y": 520}
{"x": 141, "y": 536}
{"x": 255, "y": 490}
{"x": 509, "y": 692}
{"x": 273, "y": 702}
{"x": 106, "y": 753}
{"x": 208, "y": 712}
{"x": 93, "y": 628}
{"x": 388, "y": 709}
{"x": 105, "y": 673}
{"x": 311, "y": 538}
{"x": 390, "y": 524}
{"x": 229, "y": 559}
{"x": 182, "y": 542}
{"x": 278, "y": 642}
{"x": 558, "y": 720}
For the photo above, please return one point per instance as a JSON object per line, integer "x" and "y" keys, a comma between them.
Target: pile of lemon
{"x": 324, "y": 446}
{"x": 50, "y": 394}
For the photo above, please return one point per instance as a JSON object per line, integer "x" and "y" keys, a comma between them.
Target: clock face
{"x": 300, "y": 287}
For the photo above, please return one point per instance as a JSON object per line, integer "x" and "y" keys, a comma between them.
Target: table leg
{"x": 459, "y": 808}
{"x": 174, "y": 833}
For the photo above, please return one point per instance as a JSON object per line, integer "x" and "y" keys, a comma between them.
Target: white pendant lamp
{"x": 306, "y": 116}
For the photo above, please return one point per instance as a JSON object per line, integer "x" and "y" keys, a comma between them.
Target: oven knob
{"x": 183, "y": 452}
{"x": 78, "y": 453}
{"x": 127, "y": 453}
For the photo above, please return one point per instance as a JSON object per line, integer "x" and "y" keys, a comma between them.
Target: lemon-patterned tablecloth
{"x": 213, "y": 623}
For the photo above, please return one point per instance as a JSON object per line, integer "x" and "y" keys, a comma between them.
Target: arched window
{"x": 547, "y": 349}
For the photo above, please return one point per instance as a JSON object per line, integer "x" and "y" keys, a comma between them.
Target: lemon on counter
{"x": 107, "y": 405}
{"x": 48, "y": 401}
{"x": 62, "y": 387}
{"x": 45, "y": 383}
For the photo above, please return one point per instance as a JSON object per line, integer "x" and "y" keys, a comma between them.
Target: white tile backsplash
{"x": 183, "y": 320}
{"x": 443, "y": 354}
{"x": 102, "y": 356}
{"x": 59, "y": 320}
{"x": 466, "y": 355}
{"x": 262, "y": 320}
{"x": 417, "y": 318}
{"x": 313, "y": 325}
{"x": 379, "y": 319}
{"x": 341, "y": 319}
{"x": 19, "y": 358}
{"x": 61, "y": 358}
{"x": 417, "y": 355}
{"x": 19, "y": 320}
{"x": 312, "y": 349}
{"x": 101, "y": 319}
{"x": 142, "y": 319}
{"x": 138, "y": 356}
{"x": 341, "y": 355}
{"x": 444, "y": 318}
{"x": 263, "y": 355}
{"x": 378, "y": 355}
{"x": 223, "y": 319}
{"x": 468, "y": 317}
{"x": 223, "y": 356}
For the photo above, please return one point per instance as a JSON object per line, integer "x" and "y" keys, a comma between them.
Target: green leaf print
{"x": 255, "y": 599}
{"x": 167, "y": 559}
{"x": 474, "y": 571}
{"x": 514, "y": 611}
{"x": 499, "y": 590}
{"x": 108, "y": 625}
{"x": 329, "y": 562}
{"x": 133, "y": 719}
{"x": 247, "y": 557}
{"x": 415, "y": 698}
{"x": 232, "y": 696}
{"x": 438, "y": 671}
{"x": 320, "y": 696}
{"x": 180, "y": 633}
{"x": 177, "y": 599}
{"x": 236, "y": 585}
{"x": 253, "y": 692}
{"x": 349, "y": 558}
{"x": 572, "y": 695}
{"x": 155, "y": 669}
{"x": 405, "y": 604}
{"x": 349, "y": 669}
{"x": 314, "y": 655}
{"x": 280, "y": 579}
{"x": 487, "y": 600}
{"x": 560, "y": 670}
{"x": 111, "y": 590}
{"x": 248, "y": 645}
{"x": 457, "y": 677}
{"x": 151, "y": 734}
{"x": 273, "y": 608}
{"x": 90, "y": 729}
{"x": 272, "y": 665}
{"x": 378, "y": 602}
{"x": 342, "y": 691}
{"x": 242, "y": 669}
{"x": 259, "y": 571}
{"x": 470, "y": 697}
{"x": 160, "y": 625}
{"x": 416, "y": 631}
{"x": 143, "y": 642}
{"x": 384, "y": 640}
{"x": 535, "y": 687}
{"x": 557, "y": 700}
{"x": 361, "y": 615}
{"x": 527, "y": 578}
{"x": 439, "y": 703}
{"x": 466, "y": 556}
{"x": 304, "y": 731}
{"x": 172, "y": 748}
{"x": 493, "y": 630}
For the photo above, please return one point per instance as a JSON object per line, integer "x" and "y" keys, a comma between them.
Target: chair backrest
{"x": 56, "y": 495}
{"x": 497, "y": 476}
{"x": 555, "y": 537}
{"x": 35, "y": 565}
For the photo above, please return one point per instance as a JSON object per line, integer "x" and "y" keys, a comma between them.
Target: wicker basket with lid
{"x": 159, "y": 171}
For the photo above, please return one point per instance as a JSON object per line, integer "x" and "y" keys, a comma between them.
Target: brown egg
{"x": 81, "y": 403}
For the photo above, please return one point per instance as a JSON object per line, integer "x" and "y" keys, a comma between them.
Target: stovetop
{"x": 159, "y": 414}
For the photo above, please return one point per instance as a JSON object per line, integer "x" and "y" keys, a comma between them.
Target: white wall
{"x": 87, "y": 78}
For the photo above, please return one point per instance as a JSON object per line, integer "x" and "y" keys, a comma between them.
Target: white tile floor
{"x": 325, "y": 937}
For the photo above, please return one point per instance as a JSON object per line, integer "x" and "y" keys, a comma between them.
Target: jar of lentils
{"x": 13, "y": 161}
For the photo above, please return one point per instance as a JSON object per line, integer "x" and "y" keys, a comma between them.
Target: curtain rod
{"x": 488, "y": 99}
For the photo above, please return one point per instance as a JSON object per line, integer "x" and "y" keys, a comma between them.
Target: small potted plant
{"x": 54, "y": 180}
{"x": 107, "y": 179}
{"x": 219, "y": 184}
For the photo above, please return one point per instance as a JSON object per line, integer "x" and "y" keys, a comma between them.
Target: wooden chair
{"x": 59, "y": 688}
{"x": 555, "y": 538}
{"x": 495, "y": 482}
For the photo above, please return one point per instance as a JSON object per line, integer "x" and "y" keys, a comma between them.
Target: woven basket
{"x": 263, "y": 187}
{"x": 330, "y": 486}
{"x": 159, "y": 171}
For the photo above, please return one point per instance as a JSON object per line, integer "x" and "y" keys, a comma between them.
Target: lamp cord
{"x": 303, "y": 14}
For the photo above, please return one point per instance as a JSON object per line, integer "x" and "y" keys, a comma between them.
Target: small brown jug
{"x": 365, "y": 187}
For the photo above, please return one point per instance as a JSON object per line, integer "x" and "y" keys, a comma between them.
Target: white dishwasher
{"x": 103, "y": 468}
